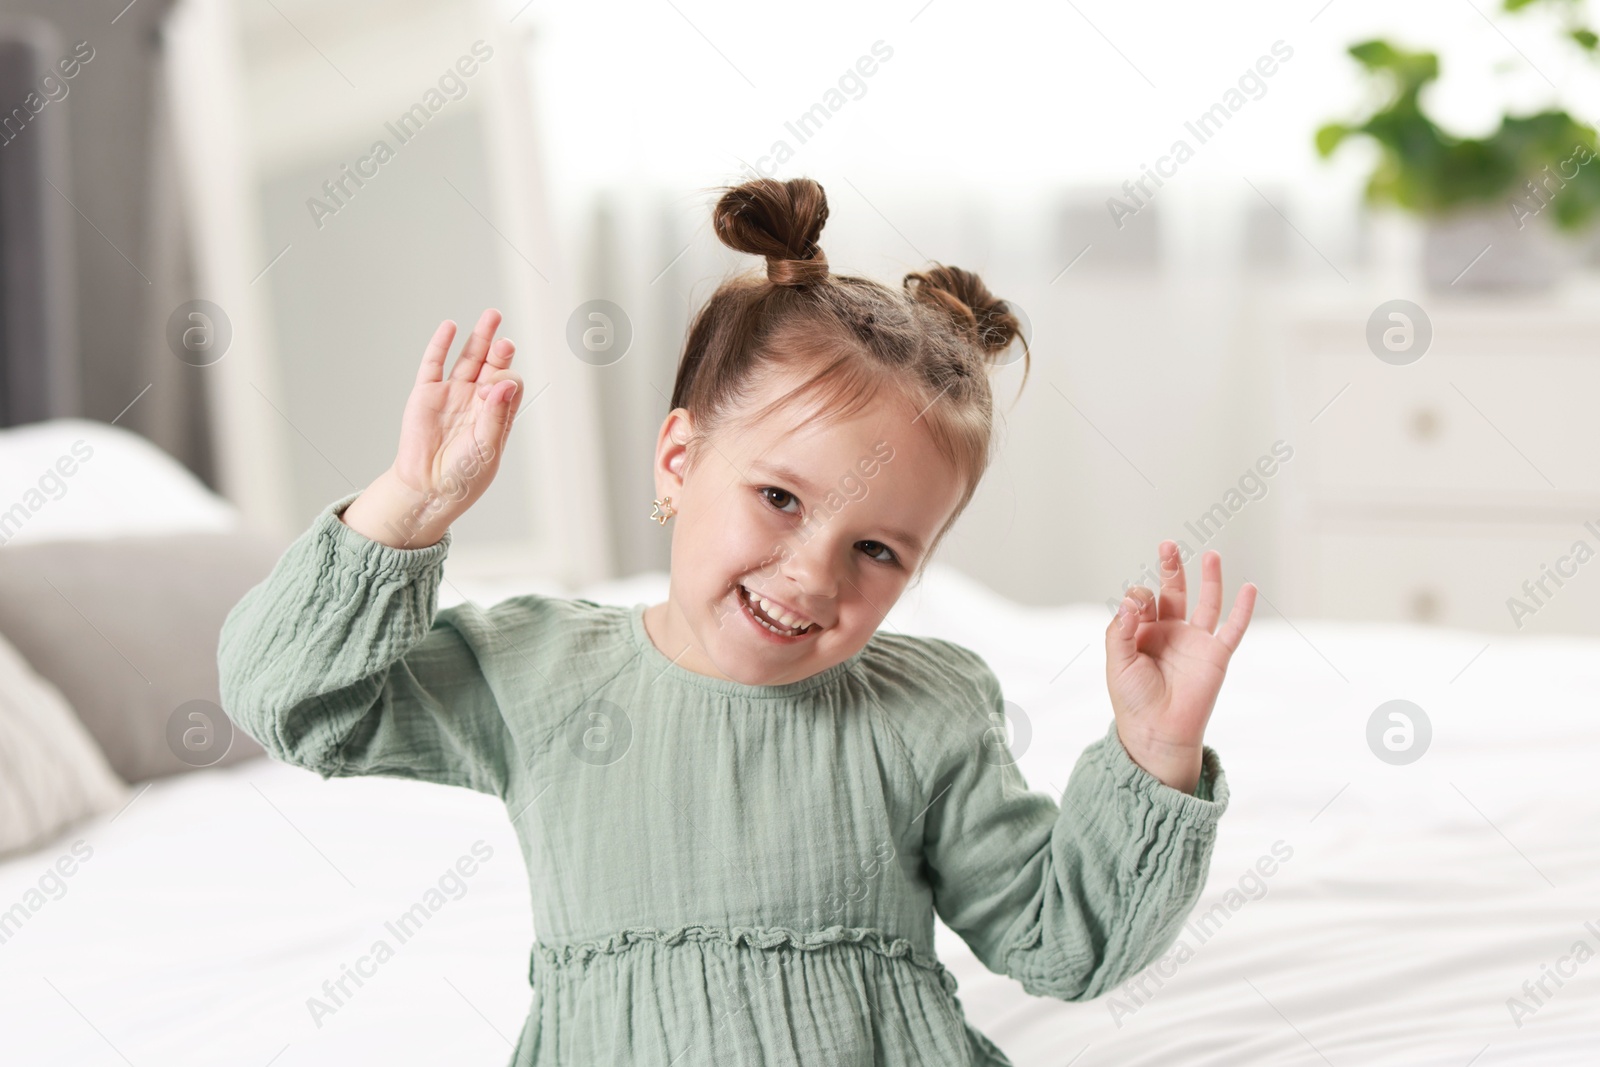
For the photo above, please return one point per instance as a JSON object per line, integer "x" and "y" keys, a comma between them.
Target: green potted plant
{"x": 1514, "y": 193}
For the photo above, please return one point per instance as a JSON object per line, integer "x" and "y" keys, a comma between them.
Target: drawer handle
{"x": 1425, "y": 605}
{"x": 1425, "y": 424}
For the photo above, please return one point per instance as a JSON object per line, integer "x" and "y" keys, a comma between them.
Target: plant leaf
{"x": 1329, "y": 138}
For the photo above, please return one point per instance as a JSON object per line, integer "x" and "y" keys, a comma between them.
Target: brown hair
{"x": 934, "y": 341}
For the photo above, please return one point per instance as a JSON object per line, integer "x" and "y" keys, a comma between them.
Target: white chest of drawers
{"x": 1461, "y": 489}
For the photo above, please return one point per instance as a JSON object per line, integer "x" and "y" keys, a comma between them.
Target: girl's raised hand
{"x": 454, "y": 429}
{"x": 452, "y": 435}
{"x": 1164, "y": 673}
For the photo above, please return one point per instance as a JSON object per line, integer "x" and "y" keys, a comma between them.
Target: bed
{"x": 1358, "y": 911}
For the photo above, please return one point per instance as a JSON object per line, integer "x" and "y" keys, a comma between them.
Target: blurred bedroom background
{"x": 1314, "y": 284}
{"x": 206, "y": 153}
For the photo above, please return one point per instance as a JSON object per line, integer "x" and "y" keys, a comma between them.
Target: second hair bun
{"x": 984, "y": 317}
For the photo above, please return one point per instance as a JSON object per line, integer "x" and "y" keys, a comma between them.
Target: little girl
{"x": 741, "y": 809}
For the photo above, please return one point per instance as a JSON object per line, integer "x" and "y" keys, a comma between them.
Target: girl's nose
{"x": 812, "y": 570}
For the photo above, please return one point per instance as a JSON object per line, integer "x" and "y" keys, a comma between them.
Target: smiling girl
{"x": 742, "y": 808}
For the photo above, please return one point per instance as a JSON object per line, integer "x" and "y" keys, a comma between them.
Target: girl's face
{"x": 826, "y": 522}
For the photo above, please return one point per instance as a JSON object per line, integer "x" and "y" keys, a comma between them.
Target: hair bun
{"x": 778, "y": 220}
{"x": 984, "y": 317}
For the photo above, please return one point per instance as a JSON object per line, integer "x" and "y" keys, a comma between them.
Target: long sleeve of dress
{"x": 1072, "y": 899}
{"x": 336, "y": 663}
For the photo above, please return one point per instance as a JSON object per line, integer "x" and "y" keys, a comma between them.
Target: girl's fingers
{"x": 1122, "y": 648}
{"x": 485, "y": 390}
{"x": 432, "y": 368}
{"x": 1174, "y": 594}
{"x": 513, "y": 404}
{"x": 495, "y": 367}
{"x": 477, "y": 346}
{"x": 500, "y": 354}
{"x": 496, "y": 418}
{"x": 1232, "y": 631}
{"x": 1210, "y": 605}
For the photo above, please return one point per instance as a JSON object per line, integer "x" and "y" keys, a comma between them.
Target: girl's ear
{"x": 671, "y": 448}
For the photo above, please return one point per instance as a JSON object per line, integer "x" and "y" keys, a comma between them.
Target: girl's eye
{"x": 783, "y": 494}
{"x": 880, "y": 545}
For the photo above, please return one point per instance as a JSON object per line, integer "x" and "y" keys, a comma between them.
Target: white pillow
{"x": 52, "y": 774}
{"x": 77, "y": 479}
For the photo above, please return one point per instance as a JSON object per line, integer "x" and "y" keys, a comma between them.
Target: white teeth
{"x": 793, "y": 623}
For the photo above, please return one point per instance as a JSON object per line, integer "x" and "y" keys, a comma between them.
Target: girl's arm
{"x": 336, "y": 663}
{"x": 1071, "y": 900}
{"x": 1068, "y": 900}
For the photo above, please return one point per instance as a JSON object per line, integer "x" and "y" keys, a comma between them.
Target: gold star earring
{"x": 662, "y": 510}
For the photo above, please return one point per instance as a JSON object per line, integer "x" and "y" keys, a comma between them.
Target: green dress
{"x": 724, "y": 873}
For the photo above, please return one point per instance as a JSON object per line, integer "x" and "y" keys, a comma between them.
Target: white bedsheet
{"x": 1415, "y": 902}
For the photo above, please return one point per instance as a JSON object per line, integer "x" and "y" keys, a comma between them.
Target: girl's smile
{"x": 777, "y": 623}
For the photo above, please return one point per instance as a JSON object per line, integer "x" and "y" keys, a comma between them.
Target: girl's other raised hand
{"x": 1164, "y": 673}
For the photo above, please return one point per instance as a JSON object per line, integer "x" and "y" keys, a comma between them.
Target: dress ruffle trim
{"x": 762, "y": 937}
